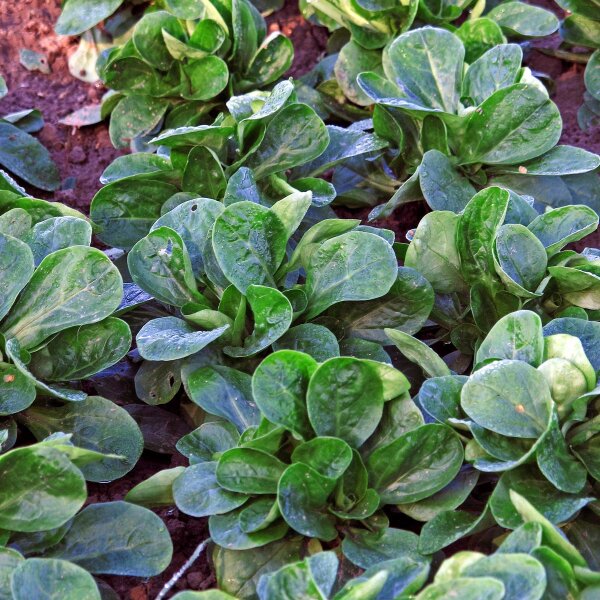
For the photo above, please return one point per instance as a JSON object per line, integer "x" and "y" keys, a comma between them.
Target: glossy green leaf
{"x": 46, "y": 579}
{"x": 418, "y": 352}
{"x": 416, "y": 465}
{"x": 345, "y": 400}
{"x": 117, "y": 538}
{"x": 41, "y": 489}
{"x": 78, "y": 16}
{"x": 521, "y": 19}
{"x": 197, "y": 493}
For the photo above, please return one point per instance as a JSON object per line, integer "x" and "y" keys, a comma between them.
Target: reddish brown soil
{"x": 82, "y": 155}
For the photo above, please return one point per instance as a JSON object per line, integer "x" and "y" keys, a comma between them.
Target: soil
{"x": 82, "y": 154}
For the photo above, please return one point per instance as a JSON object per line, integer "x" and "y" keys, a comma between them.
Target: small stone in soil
{"x": 77, "y": 155}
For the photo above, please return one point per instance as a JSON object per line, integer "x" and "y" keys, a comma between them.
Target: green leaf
{"x": 157, "y": 382}
{"x": 440, "y": 397}
{"x": 443, "y": 188}
{"x": 249, "y": 471}
{"x": 46, "y": 579}
{"x": 238, "y": 572}
{"x": 498, "y": 68}
{"x": 352, "y": 60}
{"x": 556, "y": 506}
{"x": 193, "y": 221}
{"x": 56, "y": 233}
{"x": 346, "y": 267}
{"x": 405, "y": 307}
{"x": 294, "y": 136}
{"x": 427, "y": 64}
{"x": 9, "y": 561}
{"x": 125, "y": 210}
{"x": 279, "y": 386}
{"x": 302, "y": 497}
{"x": 95, "y": 424}
{"x": 517, "y": 336}
{"x": 170, "y": 338}
{"x": 479, "y": 36}
{"x": 226, "y": 531}
{"x": 78, "y": 16}
{"x": 450, "y": 526}
{"x": 510, "y": 398}
{"x": 418, "y": 352}
{"x": 522, "y": 575}
{"x": 273, "y": 316}
{"x": 203, "y": 174}
{"x": 160, "y": 264}
{"x": 312, "y": 339}
{"x": 41, "y": 489}
{"x": 329, "y": 456}
{"x": 24, "y": 156}
{"x": 476, "y": 232}
{"x": 558, "y": 227}
{"x": 416, "y": 465}
{"x": 148, "y": 38}
{"x": 208, "y": 442}
{"x": 249, "y": 243}
{"x": 197, "y": 493}
{"x": 345, "y": 400}
{"x": 89, "y": 289}
{"x": 369, "y": 548}
{"x": 156, "y": 491}
{"x": 524, "y": 20}
{"x": 82, "y": 351}
{"x": 433, "y": 252}
{"x": 272, "y": 59}
{"x": 17, "y": 391}
{"x": 134, "y": 116}
{"x": 224, "y": 392}
{"x": 117, "y": 538}
{"x": 515, "y": 124}
{"x": 467, "y": 588}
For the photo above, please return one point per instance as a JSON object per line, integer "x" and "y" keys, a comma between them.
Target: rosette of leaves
{"x": 357, "y": 44}
{"x": 174, "y": 68}
{"x": 22, "y": 154}
{"x": 581, "y": 29}
{"x": 310, "y": 449}
{"x": 498, "y": 256}
{"x": 56, "y": 328}
{"x": 535, "y": 560}
{"x": 455, "y": 128}
{"x": 237, "y": 280}
{"x": 530, "y": 408}
{"x": 49, "y": 546}
{"x": 244, "y": 155}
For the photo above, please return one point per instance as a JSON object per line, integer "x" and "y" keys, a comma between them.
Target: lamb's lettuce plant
{"x": 497, "y": 256}
{"x": 529, "y": 409}
{"x": 182, "y": 62}
{"x": 239, "y": 280}
{"x": 56, "y": 329}
{"x": 454, "y": 128}
{"x": 535, "y": 560}
{"x": 243, "y": 155}
{"x": 49, "y": 545}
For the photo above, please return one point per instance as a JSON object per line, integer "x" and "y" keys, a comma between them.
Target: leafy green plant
{"x": 55, "y": 328}
{"x": 238, "y": 292}
{"x": 456, "y": 128}
{"x": 581, "y": 28}
{"x": 244, "y": 155}
{"x": 533, "y": 561}
{"x": 362, "y": 31}
{"x": 178, "y": 64}
{"x": 498, "y": 256}
{"x": 49, "y": 545}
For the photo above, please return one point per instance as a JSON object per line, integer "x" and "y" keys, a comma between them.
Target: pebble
{"x": 77, "y": 155}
